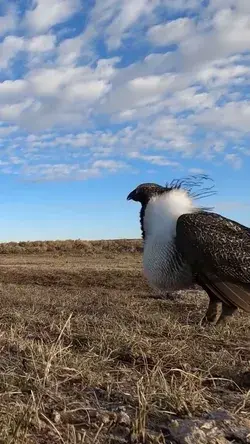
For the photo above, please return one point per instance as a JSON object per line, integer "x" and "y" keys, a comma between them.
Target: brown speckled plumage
{"x": 215, "y": 245}
{"x": 218, "y": 250}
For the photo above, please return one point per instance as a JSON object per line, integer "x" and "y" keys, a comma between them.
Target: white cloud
{"x": 182, "y": 4}
{"x": 174, "y": 132}
{"x": 219, "y": 74}
{"x": 227, "y": 33}
{"x": 59, "y": 95}
{"x": 13, "y": 46}
{"x": 191, "y": 99}
{"x": 196, "y": 171}
{"x": 9, "y": 48}
{"x": 151, "y": 84}
{"x": 41, "y": 43}
{"x": 242, "y": 6}
{"x": 46, "y": 81}
{"x": 234, "y": 160}
{"x": 76, "y": 171}
{"x": 160, "y": 106}
{"x": 8, "y": 21}
{"x": 12, "y": 89}
{"x": 232, "y": 115}
{"x": 171, "y": 32}
{"x": 12, "y": 113}
{"x": 129, "y": 13}
{"x": 7, "y": 130}
{"x": 58, "y": 172}
{"x": 87, "y": 91}
{"x": 154, "y": 159}
{"x": 69, "y": 50}
{"x": 110, "y": 165}
{"x": 77, "y": 83}
{"x": 119, "y": 19}
{"x": 138, "y": 92}
{"x": 47, "y": 13}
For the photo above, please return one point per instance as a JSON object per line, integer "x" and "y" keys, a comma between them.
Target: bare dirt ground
{"x": 90, "y": 354}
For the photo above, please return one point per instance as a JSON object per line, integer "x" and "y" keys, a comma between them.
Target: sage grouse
{"x": 185, "y": 245}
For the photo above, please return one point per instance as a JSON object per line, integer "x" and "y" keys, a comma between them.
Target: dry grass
{"x": 89, "y": 354}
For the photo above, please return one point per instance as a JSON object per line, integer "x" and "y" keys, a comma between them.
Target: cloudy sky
{"x": 98, "y": 96}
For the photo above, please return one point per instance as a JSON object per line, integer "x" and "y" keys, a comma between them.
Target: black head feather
{"x": 145, "y": 191}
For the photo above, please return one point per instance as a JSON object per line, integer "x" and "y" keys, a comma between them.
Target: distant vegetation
{"x": 72, "y": 247}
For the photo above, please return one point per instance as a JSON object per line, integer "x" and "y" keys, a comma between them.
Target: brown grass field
{"x": 90, "y": 354}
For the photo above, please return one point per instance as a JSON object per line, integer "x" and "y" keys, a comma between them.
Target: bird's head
{"x": 167, "y": 203}
{"x": 145, "y": 191}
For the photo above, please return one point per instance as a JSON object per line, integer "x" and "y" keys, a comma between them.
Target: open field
{"x": 90, "y": 354}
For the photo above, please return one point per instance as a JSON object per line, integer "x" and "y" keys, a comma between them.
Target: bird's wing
{"x": 218, "y": 250}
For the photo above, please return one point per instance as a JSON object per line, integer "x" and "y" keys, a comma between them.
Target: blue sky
{"x": 99, "y": 96}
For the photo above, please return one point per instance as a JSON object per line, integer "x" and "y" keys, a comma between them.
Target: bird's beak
{"x": 131, "y": 195}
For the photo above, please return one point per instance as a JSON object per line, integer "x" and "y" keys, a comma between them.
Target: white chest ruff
{"x": 161, "y": 267}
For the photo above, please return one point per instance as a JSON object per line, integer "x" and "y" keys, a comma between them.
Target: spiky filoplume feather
{"x": 190, "y": 183}
{"x": 185, "y": 243}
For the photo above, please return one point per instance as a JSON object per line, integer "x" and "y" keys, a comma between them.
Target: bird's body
{"x": 164, "y": 268}
{"x": 185, "y": 245}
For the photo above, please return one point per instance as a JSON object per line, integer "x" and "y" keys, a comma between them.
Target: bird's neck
{"x": 160, "y": 215}
{"x": 142, "y": 214}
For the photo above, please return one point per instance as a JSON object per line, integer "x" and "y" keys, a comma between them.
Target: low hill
{"x": 72, "y": 246}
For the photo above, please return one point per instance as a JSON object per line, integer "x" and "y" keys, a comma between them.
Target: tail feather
{"x": 230, "y": 293}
